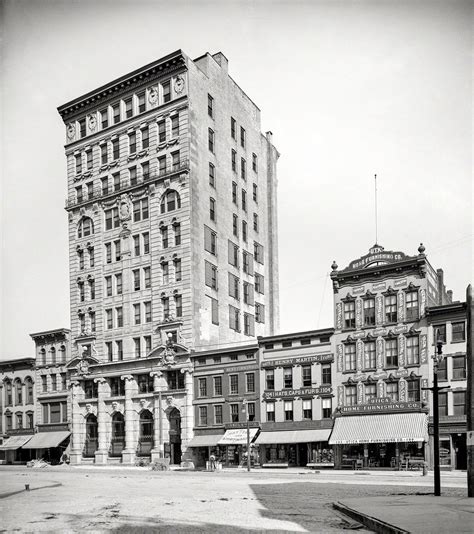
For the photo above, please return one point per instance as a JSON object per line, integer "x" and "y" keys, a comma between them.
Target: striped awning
{"x": 47, "y": 440}
{"x": 293, "y": 436}
{"x": 387, "y": 428}
{"x": 15, "y": 442}
{"x": 205, "y": 440}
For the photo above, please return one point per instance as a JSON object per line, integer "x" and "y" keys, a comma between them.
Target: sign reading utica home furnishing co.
{"x": 383, "y": 405}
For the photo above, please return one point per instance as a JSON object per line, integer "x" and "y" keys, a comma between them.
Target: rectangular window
{"x": 202, "y": 387}
{"x": 89, "y": 159}
{"x": 145, "y": 137}
{"x": 349, "y": 314}
{"x": 242, "y": 137}
{"x": 109, "y": 350}
{"x": 146, "y": 243}
{"x": 165, "y": 302}
{"x": 108, "y": 252}
{"x": 78, "y": 163}
{"x": 413, "y": 390}
{"x": 255, "y": 193}
{"x": 269, "y": 379}
{"x": 248, "y": 294}
{"x": 412, "y": 310}
{"x": 147, "y": 344}
{"x": 350, "y": 357}
{"x": 175, "y": 161}
{"x": 177, "y": 234}
{"x": 247, "y": 263}
{"x": 147, "y": 277}
{"x": 307, "y": 409}
{"x": 233, "y": 384}
{"x": 233, "y": 254}
{"x": 250, "y": 382}
{"x": 218, "y": 414}
{"x": 138, "y": 348}
{"x": 392, "y": 391}
{"x": 259, "y": 283}
{"x": 104, "y": 118}
{"x": 288, "y": 407}
{"x": 210, "y": 240}
{"x": 82, "y": 127}
{"x": 136, "y": 245}
{"x": 458, "y": 332}
{"x": 178, "y": 305}
{"x": 116, "y": 113}
{"x": 391, "y": 308}
{"x": 234, "y": 318}
{"x": 147, "y": 312}
{"x": 145, "y": 170}
{"x": 166, "y": 91}
{"x": 327, "y": 408}
{"x": 128, "y": 108}
{"x": 443, "y": 403}
{"x": 234, "y": 285}
{"x": 214, "y": 311}
{"x": 141, "y": 102}
{"x": 370, "y": 392}
{"x": 270, "y": 412}
{"x": 287, "y": 377}
{"x": 211, "y": 140}
{"x": 210, "y": 274}
{"x": 118, "y": 252}
{"x": 232, "y": 128}
{"x": 111, "y": 218}
{"x": 234, "y": 413}
{"x": 119, "y": 347}
{"x": 165, "y": 272}
{"x": 251, "y": 411}
{"x": 459, "y": 367}
{"x": 118, "y": 284}
{"x": 164, "y": 237}
{"x": 244, "y": 200}
{"x": 162, "y": 131}
{"x": 140, "y": 210}
{"x": 243, "y": 169}
{"x": 115, "y": 149}
{"x": 440, "y": 331}
{"x": 369, "y": 355}
{"x": 254, "y": 162}
{"x": 136, "y": 279}
{"x": 413, "y": 350}
{"x": 109, "y": 319}
{"x": 119, "y": 313}
{"x": 210, "y": 106}
{"x": 137, "y": 313}
{"x": 369, "y": 312}
{"x": 212, "y": 175}
{"x": 212, "y": 209}
{"x": 249, "y": 324}
{"x": 443, "y": 370}
{"x": 105, "y": 185}
{"x": 202, "y": 415}
{"x": 233, "y": 158}
{"x": 255, "y": 222}
{"x": 103, "y": 154}
{"x": 459, "y": 403}
{"x": 306, "y": 376}
{"x": 108, "y": 286}
{"x": 351, "y": 395}
{"x": 132, "y": 172}
{"x": 116, "y": 181}
{"x": 217, "y": 386}
{"x": 259, "y": 313}
{"x": 258, "y": 252}
{"x": 391, "y": 352}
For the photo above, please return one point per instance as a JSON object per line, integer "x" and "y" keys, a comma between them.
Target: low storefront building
{"x": 382, "y": 433}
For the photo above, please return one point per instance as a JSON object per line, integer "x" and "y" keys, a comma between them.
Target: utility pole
{"x": 470, "y": 392}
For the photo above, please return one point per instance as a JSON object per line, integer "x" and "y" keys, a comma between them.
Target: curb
{"x": 371, "y": 522}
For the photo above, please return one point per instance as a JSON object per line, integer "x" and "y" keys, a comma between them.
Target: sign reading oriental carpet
{"x": 318, "y": 358}
{"x": 303, "y": 392}
{"x": 382, "y": 405}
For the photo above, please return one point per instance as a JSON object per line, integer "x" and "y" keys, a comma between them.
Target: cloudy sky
{"x": 349, "y": 89}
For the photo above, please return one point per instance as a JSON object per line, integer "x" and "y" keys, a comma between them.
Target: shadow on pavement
{"x": 5, "y": 495}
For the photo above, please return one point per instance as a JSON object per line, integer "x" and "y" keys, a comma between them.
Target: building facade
{"x": 172, "y": 242}
{"x": 296, "y": 381}
{"x": 450, "y": 321}
{"x": 17, "y": 408}
{"x": 383, "y": 360}
{"x": 226, "y": 401}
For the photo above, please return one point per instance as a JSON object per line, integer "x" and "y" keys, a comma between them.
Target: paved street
{"x": 139, "y": 500}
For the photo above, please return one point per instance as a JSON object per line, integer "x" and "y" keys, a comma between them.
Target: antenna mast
{"x": 376, "y": 228}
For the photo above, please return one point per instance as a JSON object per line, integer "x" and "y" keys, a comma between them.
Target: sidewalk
{"x": 411, "y": 513}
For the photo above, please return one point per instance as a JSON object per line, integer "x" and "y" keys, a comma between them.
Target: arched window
{"x": 53, "y": 355}
{"x": 42, "y": 354}
{"x": 145, "y": 440}
{"x": 29, "y": 420}
{"x": 171, "y": 201}
{"x": 29, "y": 391}
{"x": 90, "y": 445}
{"x": 8, "y": 393}
{"x": 118, "y": 434}
{"x": 85, "y": 227}
{"x": 62, "y": 354}
{"x": 18, "y": 392}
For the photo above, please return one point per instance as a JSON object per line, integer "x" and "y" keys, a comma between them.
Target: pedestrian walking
{"x": 212, "y": 460}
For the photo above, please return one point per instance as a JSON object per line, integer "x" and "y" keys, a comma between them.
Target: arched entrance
{"x": 118, "y": 435}
{"x": 145, "y": 437}
{"x": 90, "y": 445}
{"x": 175, "y": 436}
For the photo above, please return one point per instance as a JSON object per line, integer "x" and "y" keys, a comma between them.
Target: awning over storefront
{"x": 46, "y": 440}
{"x": 209, "y": 440}
{"x": 293, "y": 436}
{"x": 15, "y": 442}
{"x": 237, "y": 436}
{"x": 387, "y": 428}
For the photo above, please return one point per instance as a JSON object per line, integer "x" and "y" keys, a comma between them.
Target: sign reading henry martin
{"x": 318, "y": 358}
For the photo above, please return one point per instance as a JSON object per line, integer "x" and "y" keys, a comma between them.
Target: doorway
{"x": 90, "y": 445}
{"x": 460, "y": 451}
{"x": 145, "y": 437}
{"x": 175, "y": 436}
{"x": 118, "y": 435}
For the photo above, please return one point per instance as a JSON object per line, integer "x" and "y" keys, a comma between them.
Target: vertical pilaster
{"x": 129, "y": 453}
{"x": 76, "y": 442}
{"x": 187, "y": 427}
{"x": 101, "y": 453}
{"x": 158, "y": 444}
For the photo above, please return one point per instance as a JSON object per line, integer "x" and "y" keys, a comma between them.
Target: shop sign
{"x": 400, "y": 283}
{"x": 379, "y": 286}
{"x": 323, "y": 390}
{"x": 241, "y": 368}
{"x": 252, "y": 424}
{"x": 377, "y": 254}
{"x": 358, "y": 290}
{"x": 382, "y": 405}
{"x": 319, "y": 358}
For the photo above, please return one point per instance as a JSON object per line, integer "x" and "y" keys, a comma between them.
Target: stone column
{"x": 187, "y": 427}
{"x": 101, "y": 454}
{"x": 129, "y": 453}
{"x": 76, "y": 416}
{"x": 158, "y": 386}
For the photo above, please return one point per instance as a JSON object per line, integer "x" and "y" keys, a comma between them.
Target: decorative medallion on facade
{"x": 83, "y": 366}
{"x": 71, "y": 131}
{"x": 179, "y": 85}
{"x": 92, "y": 120}
{"x": 153, "y": 95}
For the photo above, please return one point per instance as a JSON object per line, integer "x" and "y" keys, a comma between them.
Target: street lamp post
{"x": 246, "y": 409}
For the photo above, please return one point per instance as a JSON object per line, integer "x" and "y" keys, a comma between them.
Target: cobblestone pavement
{"x": 93, "y": 499}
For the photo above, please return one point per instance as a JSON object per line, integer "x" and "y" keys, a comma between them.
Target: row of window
{"x": 128, "y": 107}
{"x": 233, "y": 385}
{"x": 391, "y": 392}
{"x": 306, "y": 376}
{"x": 390, "y": 310}
{"x": 218, "y": 359}
{"x": 248, "y": 320}
{"x": 289, "y": 343}
{"x": 22, "y": 421}
{"x": 81, "y": 289}
{"x": 247, "y": 258}
{"x": 81, "y": 257}
{"x": 16, "y": 387}
{"x": 458, "y": 332}
{"x": 57, "y": 382}
{"x": 218, "y": 418}
{"x": 210, "y": 245}
{"x": 52, "y": 356}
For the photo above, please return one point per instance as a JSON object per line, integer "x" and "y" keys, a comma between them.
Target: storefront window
{"x": 320, "y": 453}
{"x": 444, "y": 451}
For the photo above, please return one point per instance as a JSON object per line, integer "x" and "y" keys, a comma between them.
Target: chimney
{"x": 449, "y": 294}
{"x": 222, "y": 61}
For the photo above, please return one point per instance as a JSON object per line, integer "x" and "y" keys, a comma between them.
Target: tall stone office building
{"x": 172, "y": 247}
